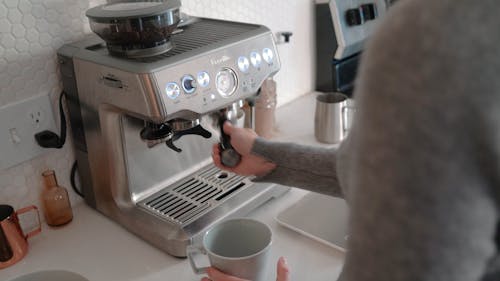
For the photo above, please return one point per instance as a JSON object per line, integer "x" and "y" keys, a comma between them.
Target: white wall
{"x": 32, "y": 30}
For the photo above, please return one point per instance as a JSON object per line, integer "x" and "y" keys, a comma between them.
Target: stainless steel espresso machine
{"x": 144, "y": 122}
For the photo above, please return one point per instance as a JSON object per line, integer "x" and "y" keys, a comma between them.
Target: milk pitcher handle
{"x": 346, "y": 110}
{"x": 36, "y": 230}
{"x": 192, "y": 253}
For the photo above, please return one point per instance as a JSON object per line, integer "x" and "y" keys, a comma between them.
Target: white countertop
{"x": 102, "y": 250}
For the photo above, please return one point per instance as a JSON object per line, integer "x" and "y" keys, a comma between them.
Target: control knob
{"x": 188, "y": 84}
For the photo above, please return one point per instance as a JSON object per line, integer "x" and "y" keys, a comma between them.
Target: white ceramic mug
{"x": 239, "y": 247}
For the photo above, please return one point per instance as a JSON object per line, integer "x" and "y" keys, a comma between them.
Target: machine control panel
{"x": 209, "y": 83}
{"x": 226, "y": 80}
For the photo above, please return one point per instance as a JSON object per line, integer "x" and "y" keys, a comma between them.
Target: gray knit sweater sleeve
{"x": 300, "y": 166}
{"x": 422, "y": 166}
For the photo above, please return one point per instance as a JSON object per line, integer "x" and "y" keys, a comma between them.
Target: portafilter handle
{"x": 228, "y": 155}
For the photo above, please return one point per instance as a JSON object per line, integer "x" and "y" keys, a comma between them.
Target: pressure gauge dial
{"x": 226, "y": 82}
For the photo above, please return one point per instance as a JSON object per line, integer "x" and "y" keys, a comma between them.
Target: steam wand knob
{"x": 228, "y": 155}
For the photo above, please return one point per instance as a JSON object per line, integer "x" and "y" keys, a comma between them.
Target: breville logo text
{"x": 220, "y": 60}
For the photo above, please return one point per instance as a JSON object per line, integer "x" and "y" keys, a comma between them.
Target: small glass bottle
{"x": 55, "y": 201}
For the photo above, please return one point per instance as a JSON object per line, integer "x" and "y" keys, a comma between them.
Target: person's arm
{"x": 423, "y": 204}
{"x": 307, "y": 167}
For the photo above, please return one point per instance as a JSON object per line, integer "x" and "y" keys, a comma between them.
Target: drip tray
{"x": 195, "y": 195}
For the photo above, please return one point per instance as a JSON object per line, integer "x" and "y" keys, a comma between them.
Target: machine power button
{"x": 268, "y": 55}
{"x": 243, "y": 64}
{"x": 173, "y": 90}
{"x": 255, "y": 59}
{"x": 203, "y": 79}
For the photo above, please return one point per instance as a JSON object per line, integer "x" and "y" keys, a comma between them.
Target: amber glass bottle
{"x": 57, "y": 207}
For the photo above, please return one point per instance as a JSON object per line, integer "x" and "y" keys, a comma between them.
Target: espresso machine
{"x": 341, "y": 29}
{"x": 145, "y": 114}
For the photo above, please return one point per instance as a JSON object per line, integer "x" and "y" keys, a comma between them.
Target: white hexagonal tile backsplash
{"x": 31, "y": 31}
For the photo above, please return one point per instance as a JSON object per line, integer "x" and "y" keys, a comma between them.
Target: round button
{"x": 268, "y": 55}
{"x": 226, "y": 82}
{"x": 172, "y": 90}
{"x": 243, "y": 64}
{"x": 188, "y": 84}
{"x": 203, "y": 79}
{"x": 255, "y": 59}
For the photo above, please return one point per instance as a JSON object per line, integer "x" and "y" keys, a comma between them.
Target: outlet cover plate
{"x": 19, "y": 122}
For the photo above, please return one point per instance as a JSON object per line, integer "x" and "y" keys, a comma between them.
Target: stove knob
{"x": 226, "y": 82}
{"x": 188, "y": 84}
{"x": 369, "y": 11}
{"x": 255, "y": 59}
{"x": 353, "y": 17}
{"x": 203, "y": 79}
{"x": 268, "y": 55}
{"x": 172, "y": 90}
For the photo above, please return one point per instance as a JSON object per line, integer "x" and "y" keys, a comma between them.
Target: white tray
{"x": 320, "y": 217}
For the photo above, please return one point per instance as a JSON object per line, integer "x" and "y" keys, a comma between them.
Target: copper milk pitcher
{"x": 13, "y": 241}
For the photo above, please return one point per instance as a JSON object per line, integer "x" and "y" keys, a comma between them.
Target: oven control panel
{"x": 353, "y": 22}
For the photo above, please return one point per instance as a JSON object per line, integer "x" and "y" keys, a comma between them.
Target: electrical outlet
{"x": 19, "y": 122}
{"x": 36, "y": 115}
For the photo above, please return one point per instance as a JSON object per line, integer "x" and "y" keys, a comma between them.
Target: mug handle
{"x": 39, "y": 228}
{"x": 192, "y": 252}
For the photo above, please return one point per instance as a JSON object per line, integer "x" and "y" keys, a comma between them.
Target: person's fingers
{"x": 216, "y": 149}
{"x": 205, "y": 279}
{"x": 228, "y": 127}
{"x": 282, "y": 270}
{"x": 216, "y": 160}
{"x": 216, "y": 275}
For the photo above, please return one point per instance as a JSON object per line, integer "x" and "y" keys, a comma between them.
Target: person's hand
{"x": 242, "y": 140}
{"x": 282, "y": 273}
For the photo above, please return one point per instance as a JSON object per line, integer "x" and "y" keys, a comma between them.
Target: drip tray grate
{"x": 189, "y": 198}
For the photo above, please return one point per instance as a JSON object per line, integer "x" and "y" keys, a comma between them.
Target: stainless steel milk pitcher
{"x": 332, "y": 117}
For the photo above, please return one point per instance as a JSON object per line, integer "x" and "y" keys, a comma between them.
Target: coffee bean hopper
{"x": 136, "y": 29}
